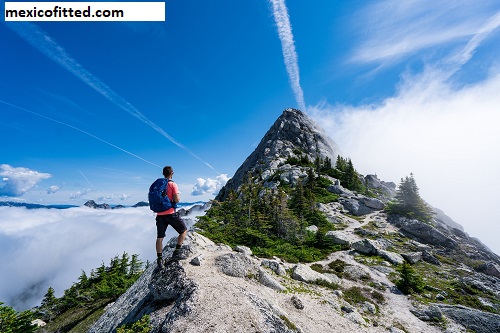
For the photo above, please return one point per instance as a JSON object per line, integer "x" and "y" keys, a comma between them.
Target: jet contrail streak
{"x": 88, "y": 181}
{"x": 282, "y": 20}
{"x": 40, "y": 40}
{"x": 80, "y": 130}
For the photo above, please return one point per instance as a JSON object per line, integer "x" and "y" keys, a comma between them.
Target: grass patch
{"x": 355, "y": 295}
{"x": 337, "y": 266}
{"x": 288, "y": 323}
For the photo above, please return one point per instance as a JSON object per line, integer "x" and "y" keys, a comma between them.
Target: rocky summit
{"x": 293, "y": 134}
{"x": 386, "y": 272}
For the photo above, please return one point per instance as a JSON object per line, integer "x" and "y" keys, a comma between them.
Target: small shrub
{"x": 326, "y": 284}
{"x": 378, "y": 297}
{"x": 317, "y": 267}
{"x": 337, "y": 266}
{"x": 355, "y": 295}
{"x": 141, "y": 326}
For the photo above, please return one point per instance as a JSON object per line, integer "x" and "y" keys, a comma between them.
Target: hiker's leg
{"x": 178, "y": 224}
{"x": 181, "y": 237}
{"x": 161, "y": 227}
{"x": 159, "y": 245}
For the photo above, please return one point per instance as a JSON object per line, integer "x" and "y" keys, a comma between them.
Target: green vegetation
{"x": 409, "y": 203}
{"x": 356, "y": 295}
{"x": 274, "y": 222}
{"x": 12, "y": 321}
{"x": 338, "y": 267}
{"x": 141, "y": 326}
{"x": 345, "y": 172}
{"x": 410, "y": 281}
{"x": 287, "y": 322}
{"x": 84, "y": 301}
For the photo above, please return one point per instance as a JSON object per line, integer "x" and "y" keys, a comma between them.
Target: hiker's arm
{"x": 177, "y": 198}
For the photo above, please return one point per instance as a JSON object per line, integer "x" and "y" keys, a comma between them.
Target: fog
{"x": 42, "y": 248}
{"x": 447, "y": 136}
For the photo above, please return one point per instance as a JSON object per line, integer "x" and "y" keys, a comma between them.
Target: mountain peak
{"x": 293, "y": 135}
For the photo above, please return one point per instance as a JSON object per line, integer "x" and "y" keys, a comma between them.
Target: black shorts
{"x": 163, "y": 221}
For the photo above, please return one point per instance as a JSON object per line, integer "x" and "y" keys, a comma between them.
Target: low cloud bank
{"x": 45, "y": 248}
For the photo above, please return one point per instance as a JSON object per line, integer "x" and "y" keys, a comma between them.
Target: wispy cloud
{"x": 19, "y": 180}
{"x": 48, "y": 46}
{"x": 53, "y": 189}
{"x": 79, "y": 130}
{"x": 392, "y": 30}
{"x": 284, "y": 26}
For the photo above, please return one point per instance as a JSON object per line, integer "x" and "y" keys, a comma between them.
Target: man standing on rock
{"x": 169, "y": 217}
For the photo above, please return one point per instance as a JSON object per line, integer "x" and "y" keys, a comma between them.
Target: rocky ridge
{"x": 220, "y": 289}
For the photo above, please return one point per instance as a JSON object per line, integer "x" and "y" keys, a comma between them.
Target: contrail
{"x": 282, "y": 20}
{"x": 40, "y": 40}
{"x": 88, "y": 181}
{"x": 82, "y": 131}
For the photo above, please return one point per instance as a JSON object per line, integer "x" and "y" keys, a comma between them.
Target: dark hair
{"x": 168, "y": 171}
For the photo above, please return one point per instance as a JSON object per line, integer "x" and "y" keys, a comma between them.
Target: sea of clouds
{"x": 42, "y": 248}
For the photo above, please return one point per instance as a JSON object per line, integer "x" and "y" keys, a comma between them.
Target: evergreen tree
{"x": 409, "y": 203}
{"x": 410, "y": 282}
{"x": 49, "y": 306}
{"x": 12, "y": 321}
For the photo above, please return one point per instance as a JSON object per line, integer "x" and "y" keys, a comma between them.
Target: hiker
{"x": 169, "y": 217}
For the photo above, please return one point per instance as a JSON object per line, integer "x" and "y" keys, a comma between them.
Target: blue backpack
{"x": 157, "y": 196}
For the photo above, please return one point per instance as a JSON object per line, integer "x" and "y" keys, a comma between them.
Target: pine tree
{"x": 49, "y": 305}
{"x": 410, "y": 282}
{"x": 12, "y": 321}
{"x": 409, "y": 203}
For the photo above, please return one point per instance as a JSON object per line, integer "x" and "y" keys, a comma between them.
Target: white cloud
{"x": 209, "y": 186}
{"x": 79, "y": 194}
{"x": 121, "y": 197}
{"x": 53, "y": 189}
{"x": 290, "y": 57}
{"x": 447, "y": 137}
{"x": 92, "y": 236}
{"x": 17, "y": 181}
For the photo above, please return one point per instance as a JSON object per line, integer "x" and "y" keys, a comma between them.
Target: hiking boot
{"x": 160, "y": 263}
{"x": 176, "y": 255}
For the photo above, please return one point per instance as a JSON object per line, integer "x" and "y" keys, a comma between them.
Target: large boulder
{"x": 355, "y": 207}
{"x": 338, "y": 189}
{"x": 235, "y": 264}
{"x": 489, "y": 268}
{"x": 304, "y": 273}
{"x": 372, "y": 203}
{"x": 412, "y": 257}
{"x": 472, "y": 319}
{"x": 426, "y": 233}
{"x": 338, "y": 237}
{"x": 387, "y": 189}
{"x": 392, "y": 257}
{"x": 275, "y": 266}
{"x": 366, "y": 246}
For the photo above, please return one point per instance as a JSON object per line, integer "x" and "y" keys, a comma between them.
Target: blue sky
{"x": 94, "y": 110}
